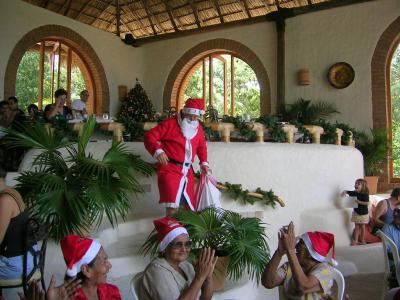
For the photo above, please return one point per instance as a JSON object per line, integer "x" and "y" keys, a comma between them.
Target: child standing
{"x": 360, "y": 214}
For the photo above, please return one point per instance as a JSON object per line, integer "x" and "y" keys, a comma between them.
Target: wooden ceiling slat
{"x": 82, "y": 9}
{"x": 149, "y": 16}
{"x": 195, "y": 13}
{"x": 108, "y": 5}
{"x": 216, "y": 7}
{"x": 171, "y": 17}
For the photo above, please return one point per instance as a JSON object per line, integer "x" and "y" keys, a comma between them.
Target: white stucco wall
{"x": 350, "y": 34}
{"x": 122, "y": 63}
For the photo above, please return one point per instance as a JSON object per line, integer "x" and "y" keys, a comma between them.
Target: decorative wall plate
{"x": 341, "y": 75}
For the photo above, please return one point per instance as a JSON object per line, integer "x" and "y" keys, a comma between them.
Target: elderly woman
{"x": 13, "y": 219}
{"x": 171, "y": 276}
{"x": 87, "y": 261}
{"x": 307, "y": 274}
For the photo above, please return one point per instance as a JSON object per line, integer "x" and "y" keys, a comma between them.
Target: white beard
{"x": 189, "y": 128}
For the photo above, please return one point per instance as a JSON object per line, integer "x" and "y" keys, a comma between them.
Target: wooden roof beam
{"x": 68, "y": 8}
{"x": 195, "y": 12}
{"x": 245, "y": 7}
{"x": 108, "y": 4}
{"x": 45, "y": 3}
{"x": 149, "y": 16}
{"x": 118, "y": 17}
{"x": 82, "y": 9}
{"x": 62, "y": 6}
{"x": 135, "y": 18}
{"x": 216, "y": 7}
{"x": 171, "y": 17}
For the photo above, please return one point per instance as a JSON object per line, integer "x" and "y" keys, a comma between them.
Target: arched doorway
{"x": 173, "y": 90}
{"x": 92, "y": 63}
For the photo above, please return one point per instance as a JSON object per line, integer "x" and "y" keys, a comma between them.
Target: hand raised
{"x": 206, "y": 264}
{"x": 63, "y": 292}
{"x": 289, "y": 238}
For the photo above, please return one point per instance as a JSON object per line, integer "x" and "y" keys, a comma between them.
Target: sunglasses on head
{"x": 180, "y": 245}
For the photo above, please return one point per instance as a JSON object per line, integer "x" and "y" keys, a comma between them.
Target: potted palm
{"x": 375, "y": 150}
{"x": 242, "y": 240}
{"x": 68, "y": 188}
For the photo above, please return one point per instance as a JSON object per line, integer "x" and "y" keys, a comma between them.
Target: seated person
{"x": 18, "y": 113}
{"x": 87, "y": 261}
{"x": 13, "y": 219}
{"x": 393, "y": 230}
{"x": 171, "y": 276}
{"x": 6, "y": 117}
{"x": 59, "y": 108}
{"x": 79, "y": 105}
{"x": 307, "y": 274}
{"x": 384, "y": 209}
{"x": 34, "y": 112}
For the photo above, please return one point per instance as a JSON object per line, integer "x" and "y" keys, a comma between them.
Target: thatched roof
{"x": 147, "y": 18}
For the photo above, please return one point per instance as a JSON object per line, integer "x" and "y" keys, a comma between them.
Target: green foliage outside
{"x": 26, "y": 86}
{"x": 395, "y": 94}
{"x": 247, "y": 88}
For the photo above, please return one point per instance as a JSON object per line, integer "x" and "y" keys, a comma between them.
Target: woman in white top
{"x": 171, "y": 276}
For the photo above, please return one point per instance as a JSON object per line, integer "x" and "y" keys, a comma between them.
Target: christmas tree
{"x": 137, "y": 106}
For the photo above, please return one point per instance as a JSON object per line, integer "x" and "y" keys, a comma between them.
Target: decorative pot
{"x": 372, "y": 182}
{"x": 220, "y": 273}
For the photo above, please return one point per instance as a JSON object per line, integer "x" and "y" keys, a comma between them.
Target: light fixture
{"x": 304, "y": 77}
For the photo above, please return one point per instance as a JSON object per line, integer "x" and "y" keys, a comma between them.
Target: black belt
{"x": 173, "y": 161}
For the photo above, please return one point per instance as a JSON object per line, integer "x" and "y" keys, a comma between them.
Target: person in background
{"x": 18, "y": 114}
{"x": 393, "y": 230}
{"x": 360, "y": 214}
{"x": 33, "y": 112}
{"x": 6, "y": 116}
{"x": 13, "y": 219}
{"x": 174, "y": 143}
{"x": 308, "y": 273}
{"x": 59, "y": 108}
{"x": 86, "y": 260}
{"x": 171, "y": 276}
{"x": 79, "y": 106}
{"x": 384, "y": 209}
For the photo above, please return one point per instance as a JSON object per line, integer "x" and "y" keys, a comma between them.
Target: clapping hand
{"x": 206, "y": 264}
{"x": 288, "y": 238}
{"x": 63, "y": 292}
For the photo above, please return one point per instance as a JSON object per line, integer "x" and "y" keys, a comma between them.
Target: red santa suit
{"x": 176, "y": 178}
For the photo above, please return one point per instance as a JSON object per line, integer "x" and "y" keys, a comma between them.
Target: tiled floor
{"x": 365, "y": 286}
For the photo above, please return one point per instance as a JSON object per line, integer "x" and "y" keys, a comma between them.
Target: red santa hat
{"x": 319, "y": 244}
{"x": 78, "y": 251}
{"x": 168, "y": 229}
{"x": 194, "y": 107}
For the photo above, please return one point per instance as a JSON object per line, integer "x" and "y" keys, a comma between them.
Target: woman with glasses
{"x": 171, "y": 276}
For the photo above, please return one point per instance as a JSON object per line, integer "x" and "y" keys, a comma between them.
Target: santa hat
{"x": 319, "y": 244}
{"x": 194, "y": 107}
{"x": 78, "y": 251}
{"x": 168, "y": 229}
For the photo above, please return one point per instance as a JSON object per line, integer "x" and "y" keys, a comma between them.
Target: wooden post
{"x": 280, "y": 63}
{"x": 204, "y": 80}
{"x": 232, "y": 85}
{"x": 210, "y": 81}
{"x": 225, "y": 89}
{"x": 69, "y": 70}
{"x": 41, "y": 75}
{"x": 59, "y": 65}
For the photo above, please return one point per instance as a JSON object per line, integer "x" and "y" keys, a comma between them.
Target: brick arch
{"x": 177, "y": 75}
{"x": 78, "y": 44}
{"x": 380, "y": 86}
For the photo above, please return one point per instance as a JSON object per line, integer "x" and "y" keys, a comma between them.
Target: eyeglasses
{"x": 180, "y": 245}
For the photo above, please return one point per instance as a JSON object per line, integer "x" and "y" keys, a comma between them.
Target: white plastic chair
{"x": 134, "y": 284}
{"x": 388, "y": 243}
{"x": 339, "y": 279}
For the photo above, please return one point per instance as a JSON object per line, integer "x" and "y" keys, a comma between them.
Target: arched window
{"x": 47, "y": 66}
{"x": 395, "y": 101}
{"x": 225, "y": 82}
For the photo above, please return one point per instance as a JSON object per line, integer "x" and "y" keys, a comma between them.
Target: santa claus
{"x": 174, "y": 143}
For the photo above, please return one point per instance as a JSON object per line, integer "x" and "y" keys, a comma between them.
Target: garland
{"x": 236, "y": 192}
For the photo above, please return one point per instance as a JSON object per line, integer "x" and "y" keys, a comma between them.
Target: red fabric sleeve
{"x": 153, "y": 137}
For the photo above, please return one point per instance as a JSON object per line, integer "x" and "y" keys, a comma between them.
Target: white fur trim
{"x": 193, "y": 111}
{"x": 158, "y": 152}
{"x": 87, "y": 258}
{"x": 310, "y": 248}
{"x": 205, "y": 163}
{"x": 171, "y": 236}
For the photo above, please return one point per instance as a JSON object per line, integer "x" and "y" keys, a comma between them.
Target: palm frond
{"x": 86, "y": 134}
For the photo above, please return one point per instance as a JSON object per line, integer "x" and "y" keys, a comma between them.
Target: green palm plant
{"x": 306, "y": 112}
{"x": 69, "y": 189}
{"x": 230, "y": 234}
